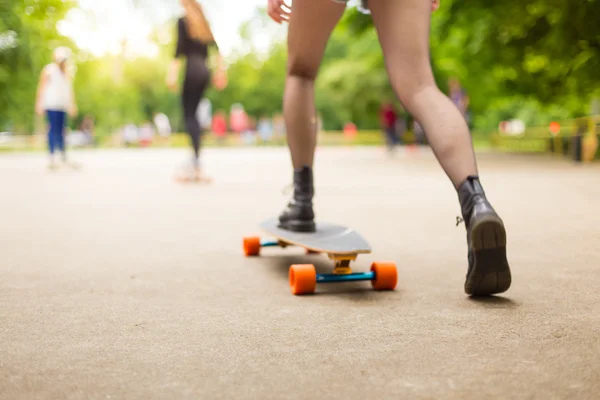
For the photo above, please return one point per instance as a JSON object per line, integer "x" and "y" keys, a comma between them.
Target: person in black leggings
{"x": 193, "y": 40}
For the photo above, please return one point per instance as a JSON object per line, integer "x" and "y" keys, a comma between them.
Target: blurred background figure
{"x": 265, "y": 129}
{"x": 163, "y": 127}
{"x": 350, "y": 130}
{"x": 5, "y": 137}
{"x": 401, "y": 127}
{"x": 419, "y": 133}
{"x": 320, "y": 125}
{"x": 194, "y": 37}
{"x": 278, "y": 128}
{"x": 75, "y": 138}
{"x": 238, "y": 119}
{"x": 55, "y": 98}
{"x": 459, "y": 97}
{"x": 130, "y": 135}
{"x": 219, "y": 126}
{"x": 249, "y": 131}
{"x": 146, "y": 134}
{"x": 87, "y": 128}
{"x": 204, "y": 114}
{"x": 388, "y": 117}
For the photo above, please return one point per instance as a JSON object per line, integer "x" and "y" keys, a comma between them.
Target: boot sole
{"x": 298, "y": 226}
{"x": 490, "y": 273}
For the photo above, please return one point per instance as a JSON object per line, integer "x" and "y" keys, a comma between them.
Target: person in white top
{"x": 55, "y": 98}
{"x": 163, "y": 125}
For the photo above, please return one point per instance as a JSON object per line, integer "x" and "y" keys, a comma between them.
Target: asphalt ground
{"x": 116, "y": 282}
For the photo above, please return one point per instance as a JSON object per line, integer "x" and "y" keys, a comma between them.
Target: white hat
{"x": 62, "y": 54}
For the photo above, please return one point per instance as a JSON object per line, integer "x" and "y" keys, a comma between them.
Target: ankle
{"x": 471, "y": 186}
{"x": 305, "y": 169}
{"x": 470, "y": 192}
{"x": 303, "y": 182}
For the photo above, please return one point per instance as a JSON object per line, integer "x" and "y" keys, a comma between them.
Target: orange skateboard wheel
{"x": 303, "y": 278}
{"x": 251, "y": 246}
{"x": 386, "y": 275}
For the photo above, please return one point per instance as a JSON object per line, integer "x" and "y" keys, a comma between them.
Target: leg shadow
{"x": 494, "y": 302}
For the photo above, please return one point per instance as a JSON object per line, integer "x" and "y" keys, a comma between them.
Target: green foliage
{"x": 257, "y": 84}
{"x": 546, "y": 48}
{"x": 535, "y": 60}
{"x": 351, "y": 84}
{"x": 117, "y": 90}
{"x": 27, "y": 36}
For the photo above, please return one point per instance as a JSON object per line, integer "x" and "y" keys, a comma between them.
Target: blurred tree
{"x": 27, "y": 36}
{"x": 535, "y": 60}
{"x": 137, "y": 95}
{"x": 546, "y": 48}
{"x": 512, "y": 54}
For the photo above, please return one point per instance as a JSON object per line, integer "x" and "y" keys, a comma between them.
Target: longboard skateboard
{"x": 341, "y": 244}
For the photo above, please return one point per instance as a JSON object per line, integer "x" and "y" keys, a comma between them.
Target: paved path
{"x": 116, "y": 282}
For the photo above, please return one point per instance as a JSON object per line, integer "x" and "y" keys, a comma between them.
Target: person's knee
{"x": 410, "y": 92}
{"x": 410, "y": 78}
{"x": 299, "y": 68}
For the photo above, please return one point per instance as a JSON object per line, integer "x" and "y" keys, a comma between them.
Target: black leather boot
{"x": 488, "y": 271}
{"x": 298, "y": 215}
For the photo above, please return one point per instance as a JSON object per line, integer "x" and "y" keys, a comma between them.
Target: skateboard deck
{"x": 341, "y": 244}
{"x": 328, "y": 238}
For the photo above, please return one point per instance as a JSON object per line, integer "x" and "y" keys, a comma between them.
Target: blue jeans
{"x": 391, "y": 136}
{"x": 56, "y": 137}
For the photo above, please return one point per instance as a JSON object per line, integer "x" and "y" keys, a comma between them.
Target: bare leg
{"x": 311, "y": 24}
{"x": 403, "y": 28}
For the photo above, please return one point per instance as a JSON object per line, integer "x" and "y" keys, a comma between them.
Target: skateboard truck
{"x": 342, "y": 272}
{"x": 342, "y": 264}
{"x": 303, "y": 277}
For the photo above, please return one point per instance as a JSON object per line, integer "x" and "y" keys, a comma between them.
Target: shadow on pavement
{"x": 495, "y": 302}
